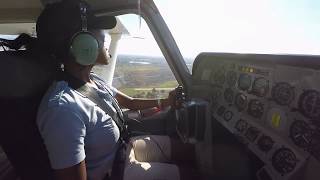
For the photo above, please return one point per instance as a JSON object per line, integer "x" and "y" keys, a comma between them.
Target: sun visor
{"x": 102, "y": 22}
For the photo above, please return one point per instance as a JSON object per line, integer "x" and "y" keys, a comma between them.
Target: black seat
{"x": 24, "y": 79}
{"x": 6, "y": 170}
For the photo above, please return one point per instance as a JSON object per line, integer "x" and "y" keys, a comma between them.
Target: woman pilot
{"x": 81, "y": 138}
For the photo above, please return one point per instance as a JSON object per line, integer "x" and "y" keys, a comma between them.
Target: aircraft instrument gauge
{"x": 221, "y": 110}
{"x": 265, "y": 143}
{"x": 242, "y": 125}
{"x": 301, "y": 133}
{"x": 284, "y": 161}
{"x": 244, "y": 82}
{"x": 309, "y": 104}
{"x": 255, "y": 108}
{"x": 283, "y": 93}
{"x": 260, "y": 87}
{"x": 252, "y": 133}
{"x": 241, "y": 101}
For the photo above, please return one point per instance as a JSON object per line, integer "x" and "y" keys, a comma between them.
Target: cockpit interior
{"x": 265, "y": 103}
{"x": 249, "y": 116}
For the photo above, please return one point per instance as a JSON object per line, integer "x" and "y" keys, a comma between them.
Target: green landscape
{"x": 143, "y": 76}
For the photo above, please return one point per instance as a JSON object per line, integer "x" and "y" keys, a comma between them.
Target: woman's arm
{"x": 76, "y": 172}
{"x": 139, "y": 104}
{"x": 63, "y": 132}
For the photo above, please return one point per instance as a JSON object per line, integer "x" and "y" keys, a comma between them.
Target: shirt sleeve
{"x": 63, "y": 133}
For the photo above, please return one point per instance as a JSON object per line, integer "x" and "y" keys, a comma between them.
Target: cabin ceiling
{"x": 13, "y": 11}
{"x": 19, "y": 16}
{"x": 25, "y": 11}
{"x": 16, "y": 4}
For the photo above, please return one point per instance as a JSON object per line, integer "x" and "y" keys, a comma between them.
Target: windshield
{"x": 246, "y": 26}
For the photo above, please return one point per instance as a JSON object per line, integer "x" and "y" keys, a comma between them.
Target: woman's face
{"x": 103, "y": 56}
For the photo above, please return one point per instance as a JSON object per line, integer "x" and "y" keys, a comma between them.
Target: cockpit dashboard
{"x": 270, "y": 103}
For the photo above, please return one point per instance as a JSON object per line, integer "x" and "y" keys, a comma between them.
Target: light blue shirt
{"x": 75, "y": 129}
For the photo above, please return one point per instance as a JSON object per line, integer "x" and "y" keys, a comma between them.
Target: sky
{"x": 244, "y": 26}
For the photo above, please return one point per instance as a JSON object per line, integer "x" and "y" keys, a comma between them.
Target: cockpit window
{"x": 141, "y": 70}
{"x": 246, "y": 26}
{"x": 5, "y": 36}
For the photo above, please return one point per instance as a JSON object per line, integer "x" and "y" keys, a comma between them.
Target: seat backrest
{"x": 6, "y": 170}
{"x": 24, "y": 79}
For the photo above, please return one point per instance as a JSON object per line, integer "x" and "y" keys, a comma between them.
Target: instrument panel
{"x": 270, "y": 102}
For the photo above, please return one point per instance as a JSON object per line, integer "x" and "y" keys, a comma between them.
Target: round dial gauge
{"x": 252, "y": 133}
{"x": 300, "y": 133}
{"x": 283, "y": 93}
{"x": 231, "y": 78}
{"x": 284, "y": 161}
{"x": 219, "y": 77}
{"x": 227, "y": 116}
{"x": 221, "y": 110}
{"x": 255, "y": 108}
{"x": 241, "y": 101}
{"x": 260, "y": 87}
{"x": 228, "y": 95}
{"x": 244, "y": 82}
{"x": 309, "y": 104}
{"x": 265, "y": 143}
{"x": 242, "y": 125}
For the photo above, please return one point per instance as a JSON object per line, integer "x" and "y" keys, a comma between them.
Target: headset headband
{"x": 84, "y": 45}
{"x": 83, "y": 13}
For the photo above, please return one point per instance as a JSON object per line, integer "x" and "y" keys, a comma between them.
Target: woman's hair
{"x": 59, "y": 22}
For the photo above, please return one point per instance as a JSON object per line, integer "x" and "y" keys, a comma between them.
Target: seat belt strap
{"x": 84, "y": 89}
{"x": 92, "y": 95}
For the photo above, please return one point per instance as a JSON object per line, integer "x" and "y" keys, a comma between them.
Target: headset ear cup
{"x": 85, "y": 48}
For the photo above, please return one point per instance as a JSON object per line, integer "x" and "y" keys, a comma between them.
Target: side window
{"x": 141, "y": 70}
{"x": 4, "y": 36}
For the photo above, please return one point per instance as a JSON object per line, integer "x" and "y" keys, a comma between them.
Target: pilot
{"x": 81, "y": 138}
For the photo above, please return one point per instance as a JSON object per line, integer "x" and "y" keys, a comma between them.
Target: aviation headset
{"x": 84, "y": 46}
